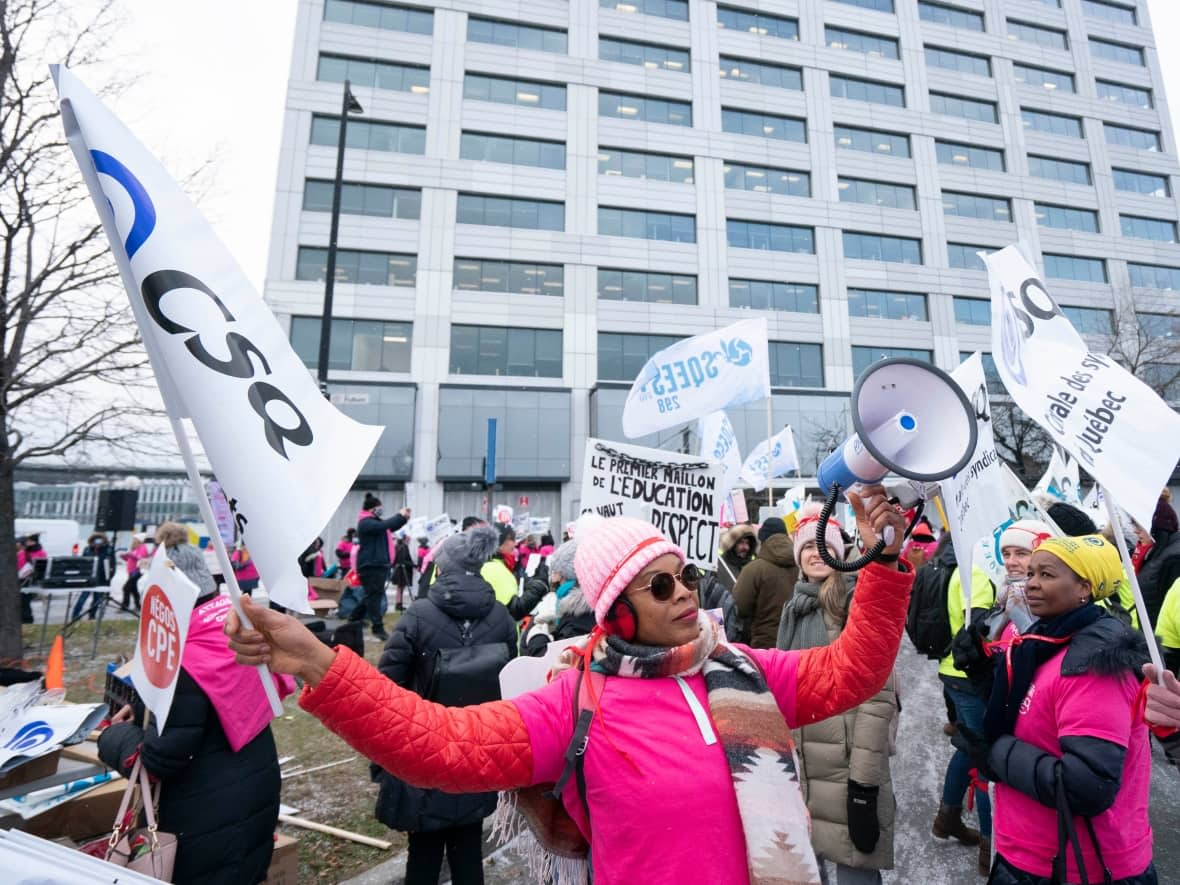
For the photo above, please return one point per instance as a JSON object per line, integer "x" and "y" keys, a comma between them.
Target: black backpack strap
{"x": 1107, "y": 877}
{"x": 1066, "y": 831}
{"x": 575, "y": 751}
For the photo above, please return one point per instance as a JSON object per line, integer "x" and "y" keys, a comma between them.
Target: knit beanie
{"x": 191, "y": 561}
{"x": 1164, "y": 519}
{"x": 561, "y": 561}
{"x": 371, "y": 501}
{"x": 809, "y": 522}
{"x": 1072, "y": 520}
{"x": 772, "y": 526}
{"x": 467, "y": 551}
{"x": 612, "y": 553}
{"x": 1025, "y": 534}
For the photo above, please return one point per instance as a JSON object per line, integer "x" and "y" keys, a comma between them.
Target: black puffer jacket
{"x": 222, "y": 805}
{"x": 372, "y": 541}
{"x": 1160, "y": 569}
{"x": 431, "y": 624}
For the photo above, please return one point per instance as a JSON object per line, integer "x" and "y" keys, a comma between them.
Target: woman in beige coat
{"x": 844, "y": 761}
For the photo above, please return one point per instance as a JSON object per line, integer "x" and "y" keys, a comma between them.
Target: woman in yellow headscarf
{"x": 1059, "y": 737}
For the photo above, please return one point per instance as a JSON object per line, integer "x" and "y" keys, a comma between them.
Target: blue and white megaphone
{"x": 910, "y": 418}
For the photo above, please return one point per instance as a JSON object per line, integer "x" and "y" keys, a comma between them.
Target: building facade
{"x": 538, "y": 196}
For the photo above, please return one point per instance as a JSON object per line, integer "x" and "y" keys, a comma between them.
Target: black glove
{"x": 863, "y": 825}
{"x": 542, "y": 572}
{"x": 977, "y": 747}
{"x": 968, "y": 653}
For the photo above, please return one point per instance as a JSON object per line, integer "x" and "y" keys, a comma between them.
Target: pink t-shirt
{"x": 673, "y": 812}
{"x": 1090, "y": 705}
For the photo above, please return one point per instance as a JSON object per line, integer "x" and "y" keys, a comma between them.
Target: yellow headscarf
{"x": 1092, "y": 558}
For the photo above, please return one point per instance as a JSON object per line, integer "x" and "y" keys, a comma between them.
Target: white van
{"x": 58, "y": 536}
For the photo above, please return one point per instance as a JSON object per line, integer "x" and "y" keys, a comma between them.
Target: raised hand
{"x": 873, "y": 514}
{"x": 279, "y": 641}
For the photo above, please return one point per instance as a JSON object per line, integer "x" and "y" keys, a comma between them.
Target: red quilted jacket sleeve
{"x": 852, "y": 669}
{"x": 457, "y": 749}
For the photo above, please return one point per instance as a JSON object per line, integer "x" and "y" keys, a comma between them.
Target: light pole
{"x": 349, "y": 106}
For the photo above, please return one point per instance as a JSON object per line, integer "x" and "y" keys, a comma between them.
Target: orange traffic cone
{"x": 55, "y": 667}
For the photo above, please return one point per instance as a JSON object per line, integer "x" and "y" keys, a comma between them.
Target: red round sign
{"x": 159, "y": 638}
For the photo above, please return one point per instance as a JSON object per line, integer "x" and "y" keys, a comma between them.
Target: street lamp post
{"x": 349, "y": 106}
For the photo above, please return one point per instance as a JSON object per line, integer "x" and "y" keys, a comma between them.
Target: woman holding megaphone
{"x": 681, "y": 766}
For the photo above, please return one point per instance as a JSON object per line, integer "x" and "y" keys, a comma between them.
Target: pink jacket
{"x": 135, "y": 558}
{"x": 243, "y": 571}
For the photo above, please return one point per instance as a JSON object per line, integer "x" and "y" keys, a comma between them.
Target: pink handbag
{"x": 141, "y": 849}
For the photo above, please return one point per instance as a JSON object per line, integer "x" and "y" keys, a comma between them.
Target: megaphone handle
{"x": 821, "y": 545}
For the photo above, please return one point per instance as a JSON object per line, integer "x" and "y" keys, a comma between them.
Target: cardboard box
{"x": 284, "y": 862}
{"x": 79, "y": 819}
{"x": 328, "y": 588}
{"x": 34, "y": 769}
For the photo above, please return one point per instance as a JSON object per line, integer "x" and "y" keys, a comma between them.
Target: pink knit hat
{"x": 611, "y": 554}
{"x": 808, "y": 521}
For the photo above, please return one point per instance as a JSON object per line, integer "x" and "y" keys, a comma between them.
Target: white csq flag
{"x": 283, "y": 453}
{"x": 699, "y": 375}
{"x": 719, "y": 443}
{"x": 1116, "y": 426}
{"x": 1061, "y": 479}
{"x": 783, "y": 459}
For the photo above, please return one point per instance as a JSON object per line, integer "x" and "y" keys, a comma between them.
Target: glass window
{"x": 505, "y": 90}
{"x": 788, "y": 182}
{"x": 1070, "y": 267}
{"x": 647, "y": 286}
{"x": 773, "y": 237}
{"x": 953, "y": 153}
{"x": 1069, "y": 171}
{"x": 939, "y": 14}
{"x": 1089, "y": 320}
{"x": 867, "y": 90}
{"x": 976, "y": 206}
{"x": 967, "y": 108}
{"x": 760, "y": 23}
{"x": 878, "y": 247}
{"x": 1053, "y": 4}
{"x": 1111, "y": 12}
{"x": 674, "y": 9}
{"x": 1051, "y": 124}
{"x": 356, "y": 266}
{"x": 1142, "y": 183}
{"x": 364, "y": 199}
{"x": 357, "y": 345}
{"x": 763, "y": 125}
{"x": 875, "y": 5}
{"x": 964, "y": 257}
{"x": 519, "y": 277}
{"x": 379, "y": 15}
{"x": 973, "y": 311}
{"x": 641, "y": 107}
{"x": 1049, "y": 38}
{"x": 510, "y": 212}
{"x": 1120, "y": 52}
{"x": 1127, "y": 136}
{"x": 885, "y": 305}
{"x": 496, "y": 350}
{"x": 796, "y": 365}
{"x": 863, "y": 357}
{"x": 515, "y": 34}
{"x": 1066, "y": 218}
{"x": 1030, "y": 75}
{"x": 640, "y": 164}
{"x": 1154, "y": 276}
{"x": 1119, "y": 93}
{"x": 963, "y": 62}
{"x": 748, "y": 71}
{"x": 647, "y": 55}
{"x": 375, "y": 73}
{"x": 1158, "y": 325}
{"x": 872, "y": 141}
{"x": 645, "y": 225}
{"x": 1140, "y": 228}
{"x": 621, "y": 357}
{"x": 765, "y": 295}
{"x": 510, "y": 149}
{"x": 369, "y": 135}
{"x": 855, "y": 41}
{"x": 876, "y": 193}
{"x": 995, "y": 384}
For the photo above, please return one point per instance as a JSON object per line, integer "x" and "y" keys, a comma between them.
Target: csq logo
{"x": 1018, "y": 323}
{"x": 30, "y": 736}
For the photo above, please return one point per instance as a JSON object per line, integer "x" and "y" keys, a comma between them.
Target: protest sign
{"x": 416, "y": 527}
{"x": 520, "y": 524}
{"x": 776, "y": 459}
{"x": 734, "y": 509}
{"x": 699, "y": 375}
{"x": 1061, "y": 479}
{"x": 502, "y": 514}
{"x": 1117, "y": 427}
{"x": 438, "y": 528}
{"x": 677, "y": 493}
{"x": 538, "y": 525}
{"x": 719, "y": 443}
{"x": 790, "y": 504}
{"x": 42, "y": 728}
{"x": 223, "y": 515}
{"x": 163, "y": 627}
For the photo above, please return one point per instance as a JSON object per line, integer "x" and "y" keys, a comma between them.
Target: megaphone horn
{"x": 910, "y": 418}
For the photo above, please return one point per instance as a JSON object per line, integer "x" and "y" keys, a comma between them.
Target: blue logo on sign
{"x": 29, "y": 736}
{"x": 144, "y": 221}
{"x": 737, "y": 351}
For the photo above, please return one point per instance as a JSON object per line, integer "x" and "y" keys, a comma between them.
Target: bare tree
{"x": 1147, "y": 344}
{"x": 1020, "y": 440}
{"x": 72, "y": 370}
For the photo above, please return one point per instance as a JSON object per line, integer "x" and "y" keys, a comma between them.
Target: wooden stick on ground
{"x": 297, "y": 770}
{"x": 334, "y": 831}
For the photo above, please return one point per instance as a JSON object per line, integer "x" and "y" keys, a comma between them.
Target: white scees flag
{"x": 719, "y": 442}
{"x": 781, "y": 454}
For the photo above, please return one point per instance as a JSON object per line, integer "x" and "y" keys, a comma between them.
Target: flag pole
{"x": 769, "y": 459}
{"x": 227, "y": 569}
{"x": 1153, "y": 649}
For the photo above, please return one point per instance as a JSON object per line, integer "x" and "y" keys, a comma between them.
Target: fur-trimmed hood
{"x": 735, "y": 533}
{"x": 1107, "y": 647}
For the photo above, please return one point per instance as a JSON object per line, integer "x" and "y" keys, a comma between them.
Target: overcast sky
{"x": 213, "y": 88}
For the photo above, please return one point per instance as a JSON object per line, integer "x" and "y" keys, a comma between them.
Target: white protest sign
{"x": 520, "y": 524}
{"x": 222, "y": 514}
{"x": 538, "y": 525}
{"x": 438, "y": 528}
{"x": 719, "y": 442}
{"x": 699, "y": 375}
{"x": 42, "y": 728}
{"x": 416, "y": 527}
{"x": 1115, "y": 425}
{"x": 781, "y": 456}
{"x": 502, "y": 514}
{"x": 734, "y": 507}
{"x": 677, "y": 493}
{"x": 163, "y": 626}
{"x": 531, "y": 564}
{"x": 1061, "y": 479}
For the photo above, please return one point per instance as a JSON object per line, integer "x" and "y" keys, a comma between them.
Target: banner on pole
{"x": 219, "y": 356}
{"x": 699, "y": 375}
{"x": 1115, "y": 425}
{"x": 538, "y": 525}
{"x": 781, "y": 454}
{"x": 719, "y": 443}
{"x": 438, "y": 529}
{"x": 677, "y": 493}
{"x": 1061, "y": 479}
{"x": 163, "y": 627}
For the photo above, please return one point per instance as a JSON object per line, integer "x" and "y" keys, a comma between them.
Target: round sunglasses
{"x": 663, "y": 584}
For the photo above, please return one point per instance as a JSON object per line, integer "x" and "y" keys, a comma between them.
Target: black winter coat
{"x": 431, "y": 624}
{"x": 373, "y": 543}
{"x": 222, "y": 805}
{"x": 1160, "y": 569}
